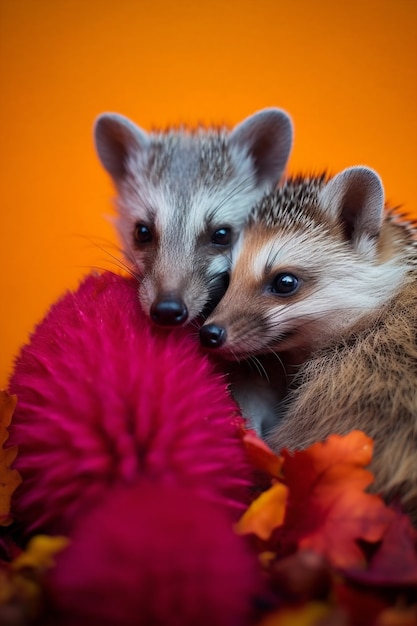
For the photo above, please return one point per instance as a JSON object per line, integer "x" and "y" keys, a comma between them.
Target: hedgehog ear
{"x": 266, "y": 137}
{"x": 356, "y": 198}
{"x": 116, "y": 139}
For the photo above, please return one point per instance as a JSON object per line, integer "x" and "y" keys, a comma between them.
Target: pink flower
{"x": 106, "y": 399}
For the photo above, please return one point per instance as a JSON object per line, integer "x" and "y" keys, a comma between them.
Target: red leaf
{"x": 395, "y": 561}
{"x": 328, "y": 509}
{"x": 260, "y": 455}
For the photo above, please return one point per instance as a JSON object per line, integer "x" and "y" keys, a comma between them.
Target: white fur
{"x": 184, "y": 186}
{"x": 339, "y": 285}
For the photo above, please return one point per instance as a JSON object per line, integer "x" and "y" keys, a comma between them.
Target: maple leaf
{"x": 9, "y": 478}
{"x": 328, "y": 510}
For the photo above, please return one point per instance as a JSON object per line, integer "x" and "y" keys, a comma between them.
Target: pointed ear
{"x": 117, "y": 138}
{"x": 266, "y": 137}
{"x": 356, "y": 198}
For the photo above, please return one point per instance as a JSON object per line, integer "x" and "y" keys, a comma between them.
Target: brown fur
{"x": 365, "y": 381}
{"x": 346, "y": 337}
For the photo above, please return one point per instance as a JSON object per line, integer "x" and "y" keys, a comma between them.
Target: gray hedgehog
{"x": 183, "y": 197}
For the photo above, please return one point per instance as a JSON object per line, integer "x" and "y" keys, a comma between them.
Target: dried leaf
{"x": 9, "y": 478}
{"x": 328, "y": 510}
{"x": 265, "y": 513}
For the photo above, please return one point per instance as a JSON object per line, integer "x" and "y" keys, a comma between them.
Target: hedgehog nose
{"x": 212, "y": 336}
{"x": 169, "y": 312}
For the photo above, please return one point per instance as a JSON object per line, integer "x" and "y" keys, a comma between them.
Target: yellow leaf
{"x": 40, "y": 552}
{"x": 9, "y": 478}
{"x": 28, "y": 569}
{"x": 265, "y": 513}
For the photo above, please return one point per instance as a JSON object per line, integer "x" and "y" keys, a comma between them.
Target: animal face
{"x": 305, "y": 268}
{"x": 183, "y": 197}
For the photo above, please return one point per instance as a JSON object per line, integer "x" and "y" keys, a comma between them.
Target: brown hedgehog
{"x": 324, "y": 277}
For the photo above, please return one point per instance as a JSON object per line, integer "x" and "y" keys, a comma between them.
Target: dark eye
{"x": 285, "y": 284}
{"x": 222, "y": 236}
{"x": 142, "y": 234}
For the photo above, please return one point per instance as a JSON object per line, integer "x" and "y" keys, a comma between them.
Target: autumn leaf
{"x": 328, "y": 510}
{"x": 39, "y": 554}
{"x": 394, "y": 562}
{"x": 265, "y": 513}
{"x": 26, "y": 572}
{"x": 260, "y": 454}
{"x": 9, "y": 478}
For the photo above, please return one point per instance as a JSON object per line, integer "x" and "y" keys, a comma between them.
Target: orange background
{"x": 346, "y": 71}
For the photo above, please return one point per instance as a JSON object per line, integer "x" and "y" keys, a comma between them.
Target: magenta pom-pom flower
{"x": 154, "y": 555}
{"x": 105, "y": 399}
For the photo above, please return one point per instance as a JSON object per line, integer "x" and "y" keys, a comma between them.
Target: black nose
{"x": 170, "y": 312}
{"x": 212, "y": 336}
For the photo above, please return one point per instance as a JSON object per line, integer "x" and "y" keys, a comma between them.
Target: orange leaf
{"x": 9, "y": 478}
{"x": 260, "y": 455}
{"x": 328, "y": 509}
{"x": 265, "y": 513}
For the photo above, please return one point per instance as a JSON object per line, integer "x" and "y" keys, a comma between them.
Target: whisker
{"x": 251, "y": 362}
{"x": 116, "y": 260}
{"x": 101, "y": 269}
{"x": 280, "y": 361}
{"x": 260, "y": 368}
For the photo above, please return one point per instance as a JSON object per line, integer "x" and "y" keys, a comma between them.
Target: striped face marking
{"x": 294, "y": 288}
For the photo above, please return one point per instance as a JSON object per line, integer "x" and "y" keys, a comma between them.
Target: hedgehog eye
{"x": 285, "y": 284}
{"x": 142, "y": 234}
{"x": 222, "y": 236}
